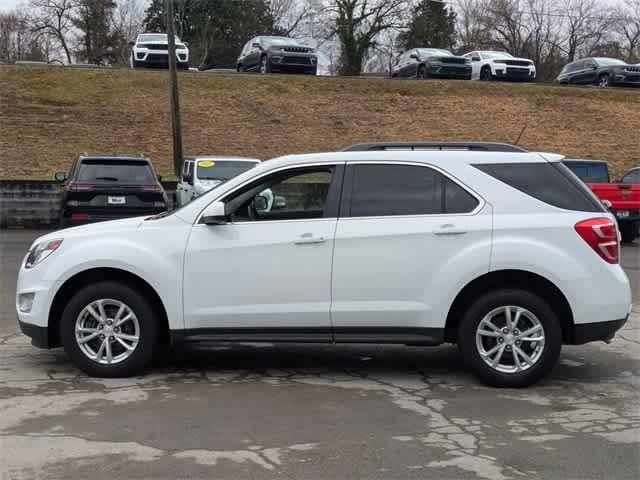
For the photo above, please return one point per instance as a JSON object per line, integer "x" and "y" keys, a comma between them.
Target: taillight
{"x": 79, "y": 216}
{"x": 151, "y": 188}
{"x": 602, "y": 236}
{"x": 75, "y": 186}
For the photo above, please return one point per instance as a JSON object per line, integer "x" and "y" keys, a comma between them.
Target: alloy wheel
{"x": 604, "y": 81}
{"x": 107, "y": 331}
{"x": 510, "y": 339}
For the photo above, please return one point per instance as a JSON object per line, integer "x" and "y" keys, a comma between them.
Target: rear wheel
{"x": 628, "y": 231}
{"x": 108, "y": 330}
{"x": 603, "y": 81}
{"x": 510, "y": 338}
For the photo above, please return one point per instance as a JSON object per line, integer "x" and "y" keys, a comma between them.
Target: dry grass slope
{"x": 48, "y": 115}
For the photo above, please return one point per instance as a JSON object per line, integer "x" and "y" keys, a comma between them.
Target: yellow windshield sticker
{"x": 206, "y": 163}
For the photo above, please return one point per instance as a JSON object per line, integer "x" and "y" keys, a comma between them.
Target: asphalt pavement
{"x": 263, "y": 411}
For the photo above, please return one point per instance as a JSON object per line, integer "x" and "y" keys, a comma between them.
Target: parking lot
{"x": 303, "y": 411}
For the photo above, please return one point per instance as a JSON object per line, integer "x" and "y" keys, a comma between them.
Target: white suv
{"x": 490, "y": 65}
{"x": 152, "y": 50}
{"x": 504, "y": 252}
{"x": 201, "y": 173}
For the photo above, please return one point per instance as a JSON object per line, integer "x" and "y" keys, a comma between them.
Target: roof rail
{"x": 472, "y": 146}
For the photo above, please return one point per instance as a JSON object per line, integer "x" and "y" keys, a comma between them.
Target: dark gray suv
{"x": 277, "y": 54}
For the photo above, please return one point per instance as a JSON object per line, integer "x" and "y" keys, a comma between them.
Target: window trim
{"x": 347, "y": 191}
{"x": 337, "y": 182}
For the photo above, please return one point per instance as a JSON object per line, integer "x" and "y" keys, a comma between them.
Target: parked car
{"x": 371, "y": 245}
{"x": 202, "y": 173}
{"x": 266, "y": 54}
{"x": 432, "y": 62}
{"x": 490, "y": 65}
{"x": 152, "y": 50}
{"x": 107, "y": 187}
{"x": 600, "y": 71}
{"x": 622, "y": 199}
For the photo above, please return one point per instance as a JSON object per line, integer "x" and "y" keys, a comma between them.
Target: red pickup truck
{"x": 623, "y": 198}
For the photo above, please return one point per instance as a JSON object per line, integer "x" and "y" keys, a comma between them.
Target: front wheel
{"x": 422, "y": 73}
{"x": 510, "y": 338}
{"x": 108, "y": 329}
{"x": 264, "y": 65}
{"x": 485, "y": 74}
{"x": 603, "y": 81}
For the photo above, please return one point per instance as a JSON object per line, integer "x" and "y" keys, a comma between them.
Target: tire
{"x": 422, "y": 73}
{"x": 628, "y": 231}
{"x": 485, "y": 74}
{"x": 239, "y": 68}
{"x": 490, "y": 306}
{"x": 603, "y": 80}
{"x": 141, "y": 325}
{"x": 264, "y": 67}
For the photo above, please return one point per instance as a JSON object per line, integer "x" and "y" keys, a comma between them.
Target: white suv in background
{"x": 201, "y": 173}
{"x": 152, "y": 50}
{"x": 490, "y": 65}
{"x": 502, "y": 251}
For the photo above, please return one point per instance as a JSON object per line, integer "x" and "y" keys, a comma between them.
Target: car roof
{"x": 416, "y": 156}
{"x": 112, "y": 156}
{"x": 222, "y": 158}
{"x": 582, "y": 160}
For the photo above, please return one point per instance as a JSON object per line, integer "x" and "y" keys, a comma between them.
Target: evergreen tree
{"x": 432, "y": 24}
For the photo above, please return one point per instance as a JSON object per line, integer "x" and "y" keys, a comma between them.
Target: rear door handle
{"x": 309, "y": 238}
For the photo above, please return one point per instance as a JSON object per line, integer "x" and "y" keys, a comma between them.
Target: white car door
{"x": 476, "y": 65}
{"x": 406, "y": 237}
{"x": 266, "y": 273}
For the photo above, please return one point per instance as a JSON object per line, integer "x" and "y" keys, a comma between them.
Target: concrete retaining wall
{"x": 36, "y": 204}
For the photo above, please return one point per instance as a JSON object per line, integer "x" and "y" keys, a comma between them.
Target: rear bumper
{"x": 39, "y": 335}
{"x": 592, "y": 332}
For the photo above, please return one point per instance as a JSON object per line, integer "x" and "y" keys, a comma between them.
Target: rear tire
{"x": 85, "y": 335}
{"x": 485, "y": 74}
{"x": 628, "y": 231}
{"x": 520, "y": 362}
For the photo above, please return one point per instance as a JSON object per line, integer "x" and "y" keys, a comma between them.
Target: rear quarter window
{"x": 551, "y": 183}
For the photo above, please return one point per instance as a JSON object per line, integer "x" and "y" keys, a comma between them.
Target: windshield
{"x": 154, "y": 37}
{"x": 221, "y": 169}
{"x": 133, "y": 172}
{"x": 609, "y": 61}
{"x": 431, "y": 52}
{"x": 279, "y": 41}
{"x": 632, "y": 177}
{"x": 491, "y": 55}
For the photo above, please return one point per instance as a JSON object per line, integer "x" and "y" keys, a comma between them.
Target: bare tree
{"x": 127, "y": 23}
{"x": 628, "y": 26}
{"x": 51, "y": 20}
{"x": 586, "y": 23}
{"x": 357, "y": 26}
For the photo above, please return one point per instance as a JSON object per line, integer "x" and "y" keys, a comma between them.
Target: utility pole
{"x": 176, "y": 128}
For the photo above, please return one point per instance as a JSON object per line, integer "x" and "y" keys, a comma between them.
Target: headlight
{"x": 40, "y": 251}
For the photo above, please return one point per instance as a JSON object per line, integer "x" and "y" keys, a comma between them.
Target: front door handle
{"x": 449, "y": 229}
{"x": 309, "y": 238}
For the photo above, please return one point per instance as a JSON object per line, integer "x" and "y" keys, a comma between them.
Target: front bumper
{"x": 293, "y": 62}
{"x": 160, "y": 58}
{"x": 515, "y": 73}
{"x": 449, "y": 71}
{"x": 631, "y": 79}
{"x": 39, "y": 335}
{"x": 593, "y": 332}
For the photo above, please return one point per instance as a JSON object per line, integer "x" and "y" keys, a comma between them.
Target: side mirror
{"x": 414, "y": 56}
{"x": 132, "y": 43}
{"x": 607, "y": 204}
{"x": 159, "y": 178}
{"x": 60, "y": 176}
{"x": 260, "y": 203}
{"x": 475, "y": 59}
{"x": 256, "y": 45}
{"x": 214, "y": 214}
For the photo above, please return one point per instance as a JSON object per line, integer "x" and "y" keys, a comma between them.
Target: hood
{"x": 96, "y": 229}
{"x": 204, "y": 185}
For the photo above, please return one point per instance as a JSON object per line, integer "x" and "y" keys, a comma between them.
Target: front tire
{"x": 109, "y": 329}
{"x": 485, "y": 74}
{"x": 422, "y": 73}
{"x": 510, "y": 338}
{"x": 603, "y": 81}
{"x": 264, "y": 67}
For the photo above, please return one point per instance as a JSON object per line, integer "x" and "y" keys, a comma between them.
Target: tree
{"x": 586, "y": 24}
{"x": 628, "y": 26}
{"x": 93, "y": 18}
{"x": 357, "y": 26}
{"x": 52, "y": 19}
{"x": 433, "y": 24}
{"x": 127, "y": 23}
{"x": 215, "y": 29}
{"x": 17, "y": 41}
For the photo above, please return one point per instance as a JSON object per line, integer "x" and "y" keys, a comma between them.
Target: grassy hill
{"x": 48, "y": 115}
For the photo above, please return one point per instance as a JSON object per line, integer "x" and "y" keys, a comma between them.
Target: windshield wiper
{"x": 111, "y": 179}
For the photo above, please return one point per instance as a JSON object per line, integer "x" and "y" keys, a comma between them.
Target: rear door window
{"x": 393, "y": 189}
{"x": 589, "y": 172}
{"x": 551, "y": 183}
{"x": 134, "y": 172}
